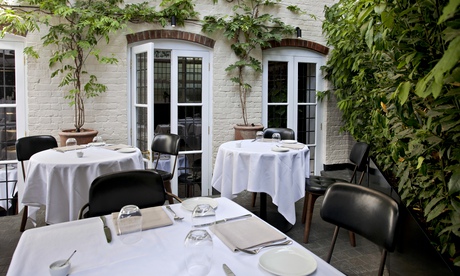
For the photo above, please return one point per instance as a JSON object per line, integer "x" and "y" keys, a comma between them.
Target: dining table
{"x": 60, "y": 180}
{"x": 160, "y": 250}
{"x": 278, "y": 169}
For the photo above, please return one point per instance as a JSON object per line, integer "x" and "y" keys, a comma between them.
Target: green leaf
{"x": 449, "y": 10}
{"x": 437, "y": 210}
{"x": 403, "y": 91}
{"x": 453, "y": 185}
{"x": 420, "y": 162}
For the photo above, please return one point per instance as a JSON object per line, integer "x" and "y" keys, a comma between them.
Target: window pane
{"x": 189, "y": 78}
{"x": 162, "y": 76}
{"x": 141, "y": 78}
{"x": 306, "y": 124}
{"x": 277, "y": 116}
{"x": 189, "y": 126}
{"x": 277, "y": 82}
{"x": 141, "y": 130}
{"x": 307, "y": 83}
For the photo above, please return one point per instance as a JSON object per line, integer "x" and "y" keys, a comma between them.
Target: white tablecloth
{"x": 61, "y": 181}
{"x": 256, "y": 168}
{"x": 160, "y": 252}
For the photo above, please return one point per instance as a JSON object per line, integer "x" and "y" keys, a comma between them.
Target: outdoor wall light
{"x": 173, "y": 21}
{"x": 299, "y": 32}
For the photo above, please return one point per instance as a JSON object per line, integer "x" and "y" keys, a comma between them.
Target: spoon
{"x": 63, "y": 264}
{"x": 257, "y": 250}
{"x": 176, "y": 217}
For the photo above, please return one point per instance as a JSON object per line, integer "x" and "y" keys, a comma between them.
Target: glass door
{"x": 170, "y": 90}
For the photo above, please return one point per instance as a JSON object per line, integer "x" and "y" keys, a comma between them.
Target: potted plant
{"x": 248, "y": 30}
{"x": 74, "y": 33}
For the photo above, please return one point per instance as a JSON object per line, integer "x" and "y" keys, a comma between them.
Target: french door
{"x": 290, "y": 81}
{"x": 170, "y": 94}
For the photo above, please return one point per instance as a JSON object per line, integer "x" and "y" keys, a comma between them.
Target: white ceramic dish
{"x": 288, "y": 261}
{"x": 289, "y": 141}
{"x": 191, "y": 203}
{"x": 280, "y": 149}
{"x": 96, "y": 144}
{"x": 127, "y": 150}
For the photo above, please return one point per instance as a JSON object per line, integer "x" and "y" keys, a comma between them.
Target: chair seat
{"x": 318, "y": 184}
{"x": 166, "y": 176}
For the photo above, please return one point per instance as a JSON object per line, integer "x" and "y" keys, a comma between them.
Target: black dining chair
{"x": 25, "y": 148}
{"x": 110, "y": 192}
{"x": 168, "y": 144}
{"x": 364, "y": 211}
{"x": 316, "y": 185}
{"x": 285, "y": 133}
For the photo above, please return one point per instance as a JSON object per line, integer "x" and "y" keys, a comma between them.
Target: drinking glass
{"x": 203, "y": 214}
{"x": 130, "y": 224}
{"x": 198, "y": 252}
{"x": 276, "y": 138}
{"x": 259, "y": 136}
{"x": 71, "y": 142}
{"x": 98, "y": 139}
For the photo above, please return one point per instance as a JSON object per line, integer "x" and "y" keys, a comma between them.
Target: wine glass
{"x": 71, "y": 142}
{"x": 198, "y": 252}
{"x": 276, "y": 138}
{"x": 259, "y": 136}
{"x": 130, "y": 224}
{"x": 98, "y": 140}
{"x": 203, "y": 215}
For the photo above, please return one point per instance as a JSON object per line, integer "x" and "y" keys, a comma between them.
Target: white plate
{"x": 96, "y": 144}
{"x": 288, "y": 261}
{"x": 127, "y": 150}
{"x": 191, "y": 203}
{"x": 280, "y": 149}
{"x": 289, "y": 141}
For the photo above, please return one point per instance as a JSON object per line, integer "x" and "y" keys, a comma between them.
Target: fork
{"x": 257, "y": 250}
{"x": 176, "y": 217}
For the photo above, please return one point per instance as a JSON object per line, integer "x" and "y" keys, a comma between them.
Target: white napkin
{"x": 117, "y": 147}
{"x": 293, "y": 146}
{"x": 69, "y": 148}
{"x": 246, "y": 233}
{"x": 152, "y": 217}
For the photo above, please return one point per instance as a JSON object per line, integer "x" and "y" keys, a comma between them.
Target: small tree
{"x": 75, "y": 29}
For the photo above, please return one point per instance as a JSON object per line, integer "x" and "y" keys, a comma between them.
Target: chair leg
{"x": 167, "y": 185}
{"x": 352, "y": 238}
{"x": 334, "y": 238}
{"x": 254, "y": 197}
{"x": 307, "y": 214}
{"x": 24, "y": 218}
{"x": 382, "y": 262}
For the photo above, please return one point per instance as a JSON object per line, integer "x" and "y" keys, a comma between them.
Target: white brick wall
{"x": 49, "y": 111}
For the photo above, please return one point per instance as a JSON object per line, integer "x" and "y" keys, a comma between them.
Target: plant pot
{"x": 246, "y": 132}
{"x": 85, "y": 136}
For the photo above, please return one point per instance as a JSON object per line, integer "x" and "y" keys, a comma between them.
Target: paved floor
{"x": 360, "y": 260}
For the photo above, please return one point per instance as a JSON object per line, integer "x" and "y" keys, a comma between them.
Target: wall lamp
{"x": 299, "y": 32}
{"x": 173, "y": 21}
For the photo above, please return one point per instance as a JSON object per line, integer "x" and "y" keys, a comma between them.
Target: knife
{"x": 108, "y": 234}
{"x": 227, "y": 270}
{"x": 222, "y": 220}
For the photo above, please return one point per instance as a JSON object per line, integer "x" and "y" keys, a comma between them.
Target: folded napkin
{"x": 69, "y": 148}
{"x": 293, "y": 146}
{"x": 246, "y": 233}
{"x": 116, "y": 147}
{"x": 152, "y": 217}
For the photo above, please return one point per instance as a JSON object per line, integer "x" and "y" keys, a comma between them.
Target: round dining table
{"x": 264, "y": 167}
{"x": 61, "y": 180}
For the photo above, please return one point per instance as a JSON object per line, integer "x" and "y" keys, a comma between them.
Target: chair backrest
{"x": 28, "y": 146}
{"x": 166, "y": 144}
{"x": 359, "y": 155}
{"x": 366, "y": 212}
{"x": 286, "y": 133}
{"x": 110, "y": 192}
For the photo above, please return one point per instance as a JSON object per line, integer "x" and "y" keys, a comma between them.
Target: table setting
{"x": 175, "y": 248}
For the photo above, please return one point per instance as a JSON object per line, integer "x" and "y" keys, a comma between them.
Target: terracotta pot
{"x": 85, "y": 136}
{"x": 246, "y": 132}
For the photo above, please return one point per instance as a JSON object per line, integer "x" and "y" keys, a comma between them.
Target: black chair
{"x": 166, "y": 144}
{"x": 110, "y": 192}
{"x": 285, "y": 133}
{"x": 25, "y": 148}
{"x": 191, "y": 177}
{"x": 316, "y": 186}
{"x": 361, "y": 210}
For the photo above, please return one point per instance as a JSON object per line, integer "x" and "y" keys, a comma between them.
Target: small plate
{"x": 289, "y": 261}
{"x": 280, "y": 149}
{"x": 96, "y": 144}
{"x": 191, "y": 203}
{"x": 289, "y": 141}
{"x": 127, "y": 150}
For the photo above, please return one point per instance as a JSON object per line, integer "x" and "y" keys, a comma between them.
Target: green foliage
{"x": 75, "y": 32}
{"x": 395, "y": 66}
{"x": 248, "y": 31}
